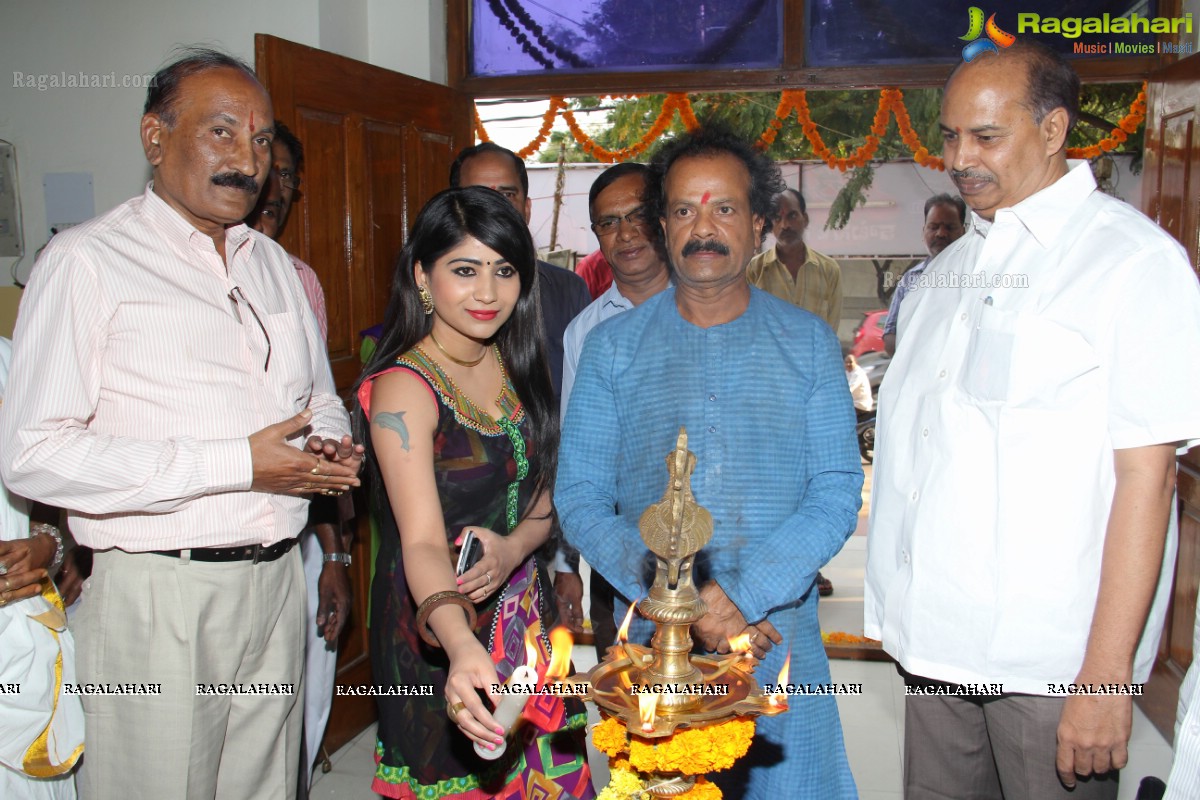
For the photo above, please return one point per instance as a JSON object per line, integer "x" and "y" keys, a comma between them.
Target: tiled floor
{"x": 872, "y": 723}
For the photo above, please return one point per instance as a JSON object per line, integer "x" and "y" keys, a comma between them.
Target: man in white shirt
{"x": 167, "y": 369}
{"x": 631, "y": 245}
{"x": 1022, "y": 533}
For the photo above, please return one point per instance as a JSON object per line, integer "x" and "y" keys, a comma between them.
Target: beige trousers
{"x": 175, "y": 624}
{"x": 1003, "y": 748}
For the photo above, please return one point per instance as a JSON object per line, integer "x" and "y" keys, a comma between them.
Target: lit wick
{"x": 779, "y": 699}
{"x": 561, "y": 644}
{"x": 647, "y": 708}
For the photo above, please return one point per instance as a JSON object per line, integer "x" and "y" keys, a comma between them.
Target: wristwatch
{"x": 341, "y": 558}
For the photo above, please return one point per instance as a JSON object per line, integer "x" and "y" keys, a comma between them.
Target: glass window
{"x": 856, "y": 32}
{"x": 510, "y": 37}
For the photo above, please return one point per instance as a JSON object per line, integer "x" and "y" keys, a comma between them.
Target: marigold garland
{"x": 891, "y": 103}
{"x": 1129, "y": 124}
{"x": 672, "y": 102}
{"x": 840, "y": 637}
{"x": 692, "y": 751}
{"x": 556, "y": 103}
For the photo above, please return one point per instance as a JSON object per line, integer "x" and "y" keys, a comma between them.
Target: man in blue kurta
{"x": 760, "y": 387}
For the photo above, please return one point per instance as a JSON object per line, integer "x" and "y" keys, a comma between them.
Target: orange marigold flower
{"x": 703, "y": 790}
{"x": 610, "y": 737}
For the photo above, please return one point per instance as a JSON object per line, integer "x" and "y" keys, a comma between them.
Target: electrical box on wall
{"x": 68, "y": 200}
{"x": 11, "y": 243}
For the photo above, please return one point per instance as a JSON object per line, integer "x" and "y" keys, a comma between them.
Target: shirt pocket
{"x": 987, "y": 365}
{"x": 290, "y": 371}
{"x": 1054, "y": 368}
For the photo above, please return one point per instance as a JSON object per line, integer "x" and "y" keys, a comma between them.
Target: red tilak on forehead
{"x": 704, "y": 199}
{"x": 252, "y": 122}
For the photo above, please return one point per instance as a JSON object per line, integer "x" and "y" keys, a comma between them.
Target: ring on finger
{"x": 452, "y": 710}
{"x": 317, "y": 469}
{"x": 488, "y": 575}
{"x": 7, "y": 585}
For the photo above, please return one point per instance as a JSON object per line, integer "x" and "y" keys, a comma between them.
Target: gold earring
{"x": 426, "y": 299}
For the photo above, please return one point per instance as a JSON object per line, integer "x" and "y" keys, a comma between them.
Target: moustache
{"x": 969, "y": 175}
{"x": 704, "y": 246}
{"x": 236, "y": 180}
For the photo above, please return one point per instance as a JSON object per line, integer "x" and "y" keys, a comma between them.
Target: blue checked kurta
{"x": 769, "y": 417}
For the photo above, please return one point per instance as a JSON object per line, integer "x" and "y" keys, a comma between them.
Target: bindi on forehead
{"x": 704, "y": 200}
{"x": 252, "y": 122}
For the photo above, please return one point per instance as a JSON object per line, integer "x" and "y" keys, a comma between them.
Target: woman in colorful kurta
{"x": 455, "y": 407}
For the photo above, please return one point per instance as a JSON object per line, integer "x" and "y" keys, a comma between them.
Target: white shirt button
{"x": 942, "y": 374}
{"x": 963, "y": 317}
{"x": 925, "y": 432}
{"x": 915, "y": 495}
{"x": 905, "y": 556}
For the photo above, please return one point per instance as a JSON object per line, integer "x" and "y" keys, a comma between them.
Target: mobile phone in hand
{"x": 472, "y": 551}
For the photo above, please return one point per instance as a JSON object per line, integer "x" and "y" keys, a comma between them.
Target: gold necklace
{"x": 458, "y": 361}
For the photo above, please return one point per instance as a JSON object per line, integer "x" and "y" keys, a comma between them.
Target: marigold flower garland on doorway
{"x": 891, "y": 103}
{"x": 1129, "y": 124}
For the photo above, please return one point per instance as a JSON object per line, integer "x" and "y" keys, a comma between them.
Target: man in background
{"x": 945, "y": 222}
{"x": 322, "y": 545}
{"x": 793, "y": 271}
{"x": 631, "y": 245}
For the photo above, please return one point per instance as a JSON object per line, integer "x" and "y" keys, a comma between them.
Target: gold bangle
{"x": 432, "y": 603}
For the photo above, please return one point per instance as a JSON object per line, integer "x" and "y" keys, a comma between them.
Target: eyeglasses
{"x": 609, "y": 225}
{"x": 238, "y": 299}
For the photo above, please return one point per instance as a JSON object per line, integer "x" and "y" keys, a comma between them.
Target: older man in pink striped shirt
{"x": 167, "y": 370}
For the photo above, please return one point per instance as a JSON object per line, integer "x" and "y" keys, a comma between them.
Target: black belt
{"x": 249, "y": 552}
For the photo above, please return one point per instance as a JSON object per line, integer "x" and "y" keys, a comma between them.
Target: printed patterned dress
{"x": 478, "y": 463}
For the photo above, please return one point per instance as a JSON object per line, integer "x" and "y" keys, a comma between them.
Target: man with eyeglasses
{"x": 170, "y": 388}
{"x": 630, "y": 243}
{"x": 945, "y": 222}
{"x": 323, "y": 546}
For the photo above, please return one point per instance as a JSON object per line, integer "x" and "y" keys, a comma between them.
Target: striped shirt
{"x": 314, "y": 293}
{"x": 142, "y": 365}
{"x": 817, "y": 286}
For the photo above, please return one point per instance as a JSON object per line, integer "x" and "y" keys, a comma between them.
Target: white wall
{"x": 96, "y": 130}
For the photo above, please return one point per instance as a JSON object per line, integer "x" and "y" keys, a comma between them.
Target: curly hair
{"x": 710, "y": 139}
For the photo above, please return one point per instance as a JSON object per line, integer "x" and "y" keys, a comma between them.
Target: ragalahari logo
{"x": 977, "y": 46}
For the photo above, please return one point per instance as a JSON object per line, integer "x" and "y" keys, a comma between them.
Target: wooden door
{"x": 377, "y": 145}
{"x": 1170, "y": 186}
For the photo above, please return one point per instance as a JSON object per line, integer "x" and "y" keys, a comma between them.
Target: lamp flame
{"x": 740, "y": 643}
{"x": 561, "y": 642}
{"x": 647, "y": 710}
{"x": 779, "y": 699}
{"x": 623, "y": 631}
{"x": 531, "y": 650}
